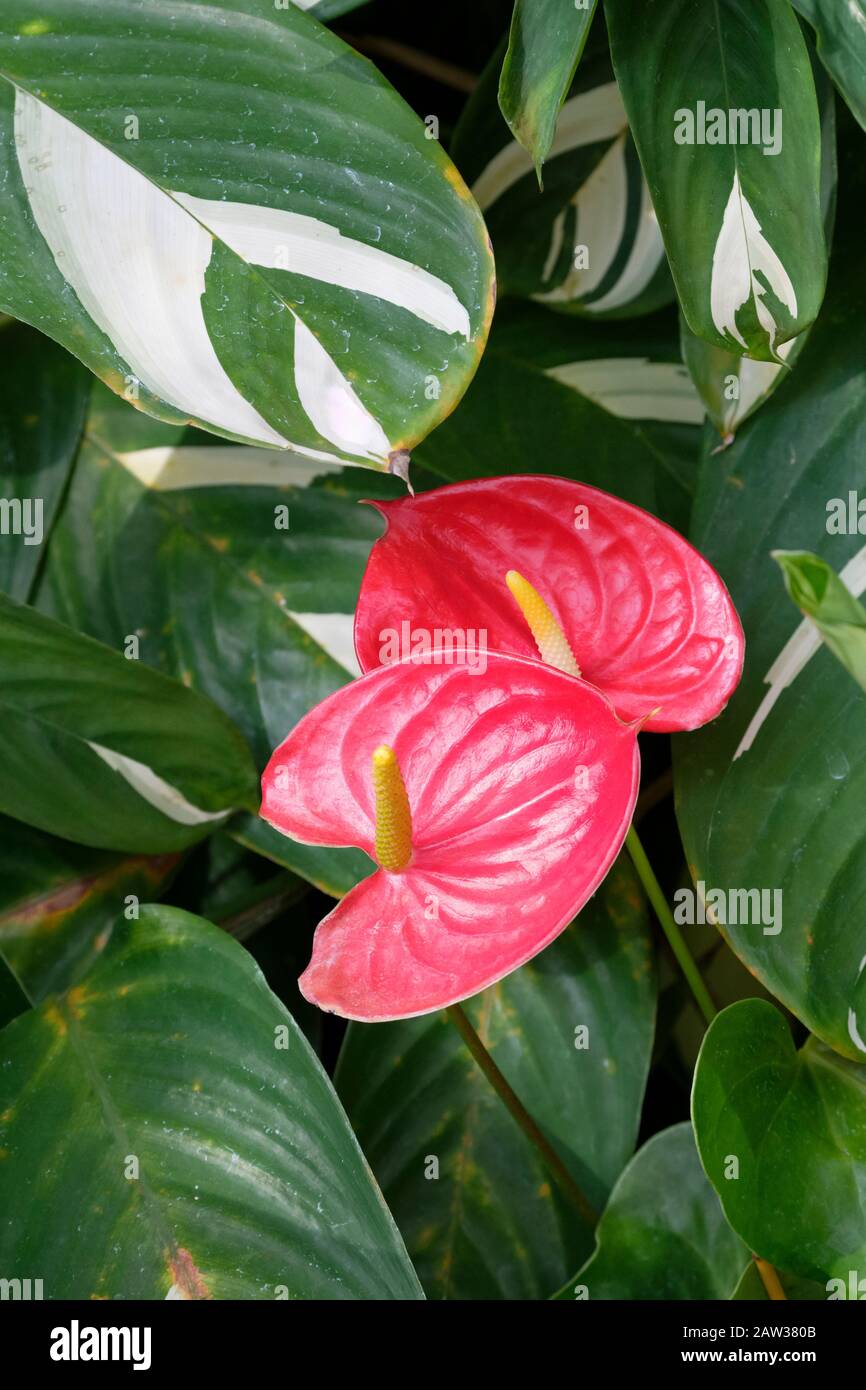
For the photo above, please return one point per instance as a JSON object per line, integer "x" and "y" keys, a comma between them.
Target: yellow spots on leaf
{"x": 123, "y": 991}
{"x": 55, "y": 1020}
{"x": 456, "y": 180}
{"x": 544, "y": 1191}
{"x": 76, "y": 999}
{"x": 30, "y": 421}
{"x": 7, "y": 1115}
{"x": 4, "y": 1153}
{"x": 187, "y": 1281}
{"x": 426, "y": 1238}
{"x": 35, "y": 26}
{"x": 197, "y": 1086}
{"x": 220, "y": 543}
{"x": 256, "y": 579}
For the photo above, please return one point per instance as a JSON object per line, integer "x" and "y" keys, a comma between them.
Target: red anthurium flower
{"x": 493, "y": 800}
{"x": 543, "y": 566}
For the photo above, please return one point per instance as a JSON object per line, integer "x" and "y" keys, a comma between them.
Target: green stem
{"x": 676, "y": 942}
{"x": 550, "y": 1157}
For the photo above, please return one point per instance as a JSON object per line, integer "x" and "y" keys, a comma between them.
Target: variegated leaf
{"x": 587, "y": 243}
{"x": 731, "y": 386}
{"x": 722, "y": 105}
{"x": 289, "y": 262}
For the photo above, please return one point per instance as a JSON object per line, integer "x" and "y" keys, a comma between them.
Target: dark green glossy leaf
{"x": 287, "y": 259}
{"x": 721, "y": 104}
{"x": 517, "y": 417}
{"x": 770, "y": 797}
{"x": 782, "y": 1137}
{"x": 544, "y": 47}
{"x": 634, "y": 373}
{"x": 13, "y": 997}
{"x": 840, "y": 32}
{"x": 59, "y": 902}
{"x": 177, "y": 1135}
{"x": 43, "y": 395}
{"x": 479, "y": 1212}
{"x": 103, "y": 750}
{"x": 237, "y": 570}
{"x": 663, "y": 1234}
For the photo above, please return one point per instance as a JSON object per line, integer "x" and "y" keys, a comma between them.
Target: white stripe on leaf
{"x": 280, "y": 240}
{"x": 136, "y": 262}
{"x": 172, "y": 469}
{"x": 154, "y": 790}
{"x": 600, "y": 206}
{"x": 742, "y": 254}
{"x": 754, "y": 381}
{"x": 634, "y": 388}
{"x": 334, "y": 633}
{"x": 585, "y": 119}
{"x": 644, "y": 259}
{"x": 331, "y": 403}
{"x": 798, "y": 652}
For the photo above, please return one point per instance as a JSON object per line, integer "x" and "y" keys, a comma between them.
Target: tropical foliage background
{"x": 175, "y": 1120}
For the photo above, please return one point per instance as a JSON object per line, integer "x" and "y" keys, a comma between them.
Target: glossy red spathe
{"x": 521, "y": 784}
{"x": 649, "y": 621}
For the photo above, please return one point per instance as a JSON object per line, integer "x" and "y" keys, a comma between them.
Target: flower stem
{"x": 521, "y": 1115}
{"x": 771, "y": 1281}
{"x": 676, "y": 942}
{"x": 769, "y": 1277}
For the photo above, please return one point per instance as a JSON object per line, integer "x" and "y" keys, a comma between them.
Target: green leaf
{"x": 634, "y": 373}
{"x": 663, "y": 1234}
{"x": 287, "y": 262}
{"x": 59, "y": 902}
{"x": 741, "y": 219}
{"x": 545, "y": 42}
{"x": 105, "y": 751}
{"x": 770, "y": 797}
{"x": 333, "y": 871}
{"x": 489, "y": 1222}
{"x": 751, "y": 1288}
{"x": 179, "y": 1138}
{"x": 13, "y": 998}
{"x": 187, "y": 542}
{"x": 782, "y": 1137}
{"x": 328, "y": 9}
{"x": 839, "y": 30}
{"x": 547, "y": 381}
{"x": 820, "y": 594}
{"x": 43, "y": 395}
{"x": 588, "y": 243}
{"x": 733, "y": 387}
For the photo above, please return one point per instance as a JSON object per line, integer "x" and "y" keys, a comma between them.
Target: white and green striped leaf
{"x": 588, "y": 242}
{"x": 290, "y": 263}
{"x": 722, "y": 106}
{"x": 732, "y": 387}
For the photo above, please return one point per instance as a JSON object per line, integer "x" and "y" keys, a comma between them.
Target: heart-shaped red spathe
{"x": 521, "y": 783}
{"x": 649, "y": 621}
